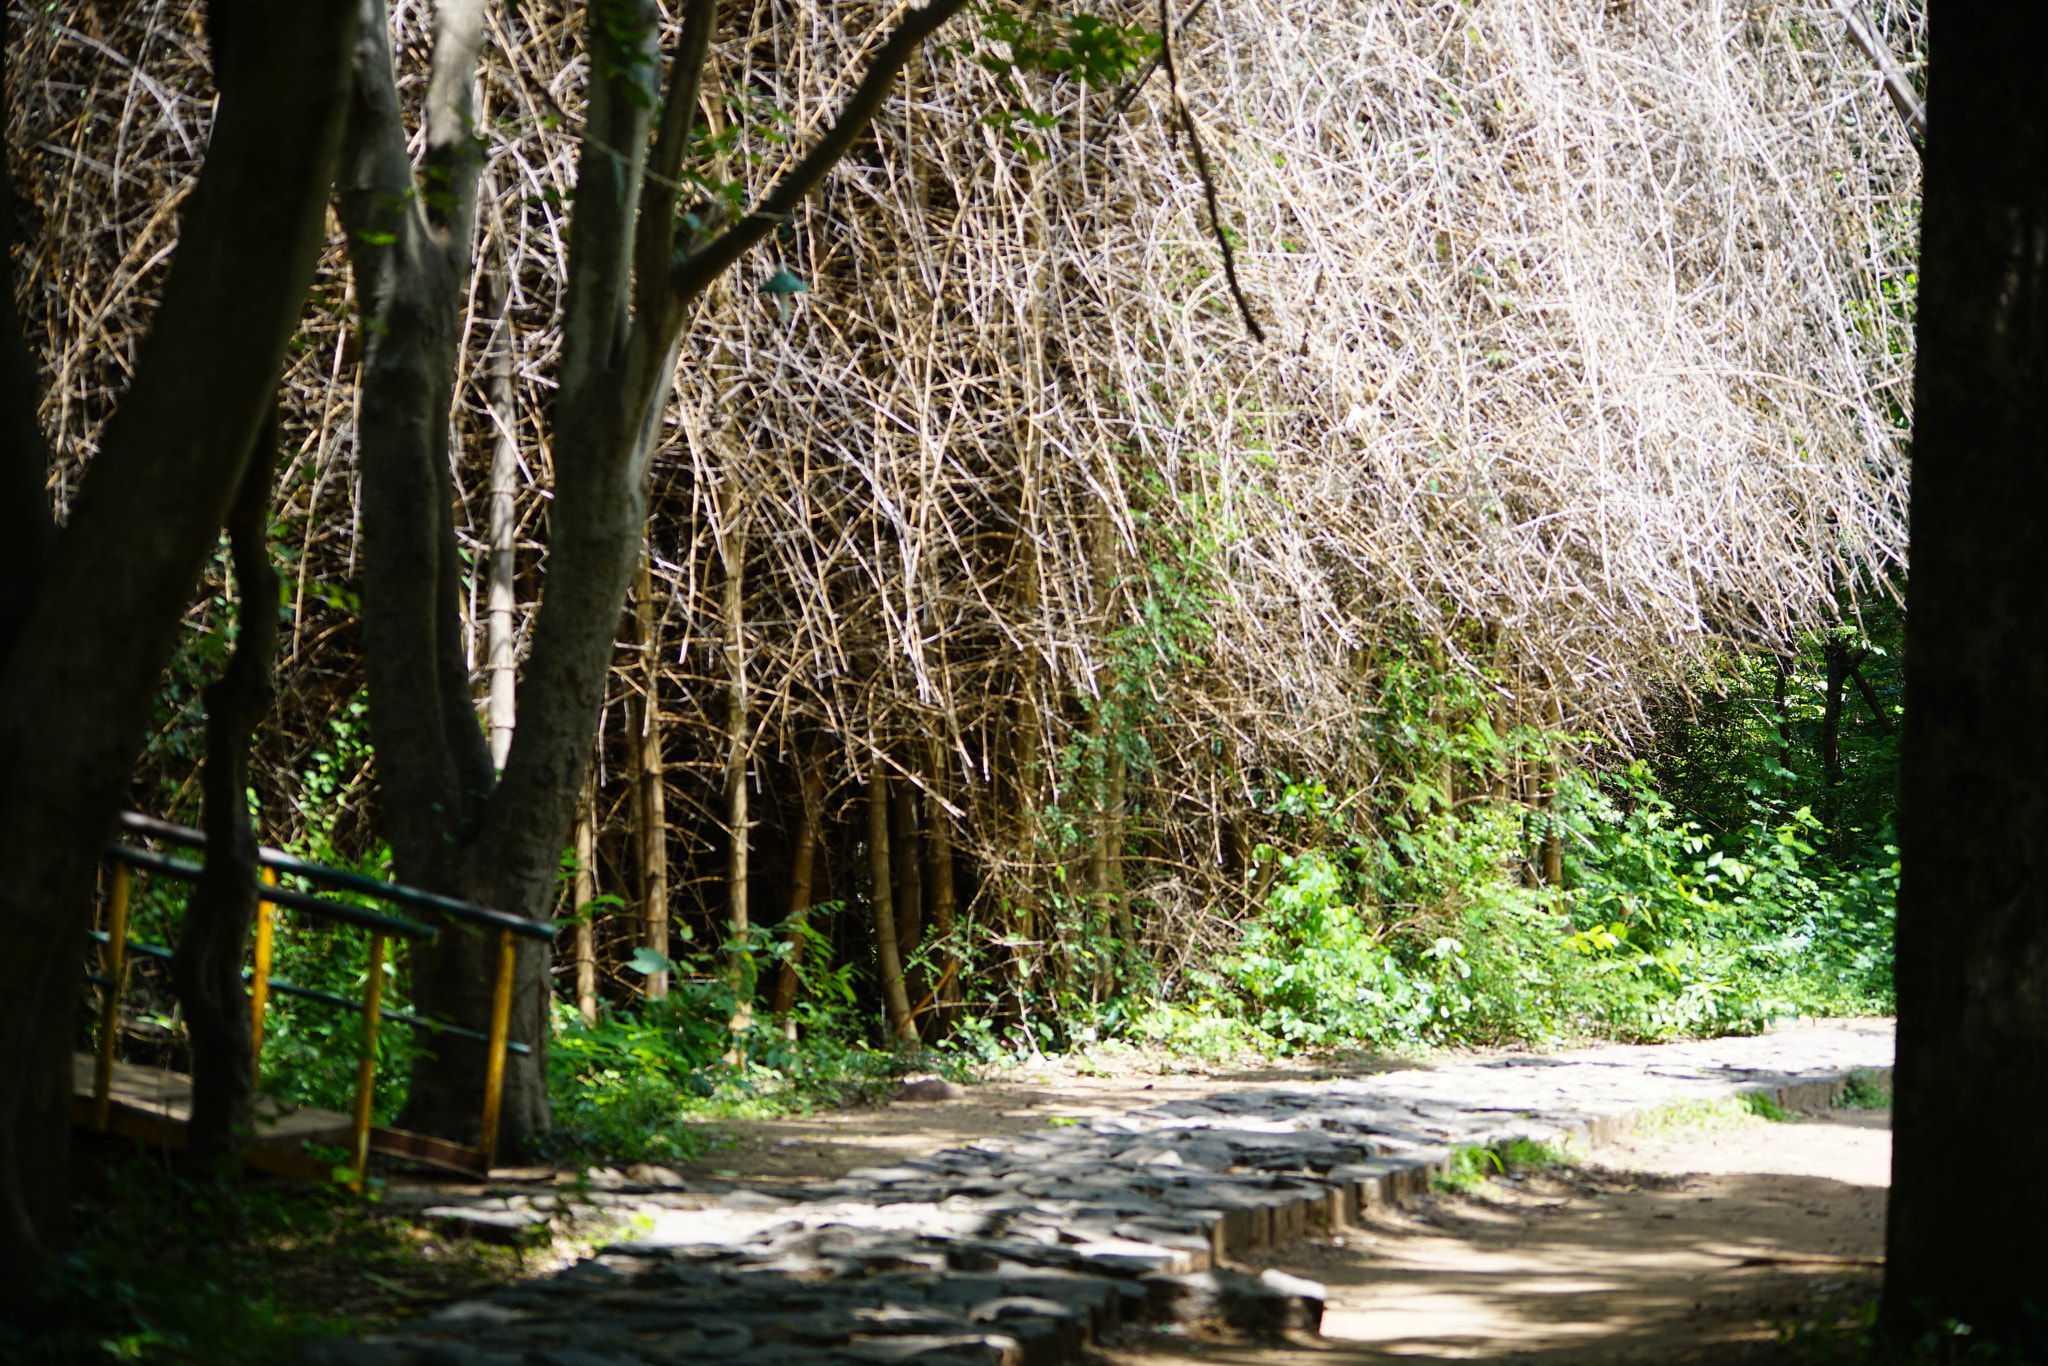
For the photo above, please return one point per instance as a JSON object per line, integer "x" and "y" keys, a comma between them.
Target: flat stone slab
{"x": 1018, "y": 1252}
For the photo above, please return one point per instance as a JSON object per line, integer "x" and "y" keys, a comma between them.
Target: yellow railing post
{"x": 116, "y": 963}
{"x": 366, "y": 1067}
{"x": 494, "y": 1062}
{"x": 259, "y": 985}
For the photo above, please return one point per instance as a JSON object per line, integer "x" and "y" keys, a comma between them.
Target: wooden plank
{"x": 435, "y": 1152}
{"x": 153, "y": 1105}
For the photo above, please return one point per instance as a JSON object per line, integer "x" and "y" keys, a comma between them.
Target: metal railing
{"x": 127, "y": 858}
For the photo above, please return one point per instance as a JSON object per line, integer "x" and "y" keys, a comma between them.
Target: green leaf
{"x": 784, "y": 283}
{"x": 647, "y": 962}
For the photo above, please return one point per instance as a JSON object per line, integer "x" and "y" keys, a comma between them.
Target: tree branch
{"x": 695, "y": 273}
{"x": 455, "y": 150}
{"x": 624, "y": 61}
{"x": 1869, "y": 696}
{"x": 1187, "y": 121}
{"x": 656, "y": 230}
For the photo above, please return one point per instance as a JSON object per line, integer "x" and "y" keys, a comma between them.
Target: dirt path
{"x": 1693, "y": 1246}
{"x": 825, "y": 1146}
{"x": 1683, "y": 1245}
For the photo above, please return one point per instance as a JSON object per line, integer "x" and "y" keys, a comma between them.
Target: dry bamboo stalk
{"x": 650, "y": 793}
{"x": 582, "y": 889}
{"x": 732, "y": 551}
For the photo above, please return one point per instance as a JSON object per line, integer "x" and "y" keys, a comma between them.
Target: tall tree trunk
{"x": 80, "y": 673}
{"x": 906, "y": 861}
{"x": 207, "y": 968}
{"x": 650, "y": 801}
{"x": 1972, "y": 957}
{"x": 802, "y": 861}
{"x": 895, "y": 1000}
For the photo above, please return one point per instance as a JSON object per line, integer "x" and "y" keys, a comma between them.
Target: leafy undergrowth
{"x": 649, "y": 1083}
{"x": 176, "y": 1269}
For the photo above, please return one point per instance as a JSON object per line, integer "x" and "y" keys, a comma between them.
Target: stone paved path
{"x": 1018, "y": 1252}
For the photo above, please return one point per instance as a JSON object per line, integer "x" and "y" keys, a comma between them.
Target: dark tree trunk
{"x": 207, "y": 970}
{"x": 77, "y": 684}
{"x": 802, "y": 862}
{"x": 939, "y": 878}
{"x": 1973, "y": 905}
{"x": 27, "y": 531}
{"x": 906, "y": 850}
{"x": 882, "y": 910}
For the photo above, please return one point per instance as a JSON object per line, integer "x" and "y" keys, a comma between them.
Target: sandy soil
{"x": 1694, "y": 1246}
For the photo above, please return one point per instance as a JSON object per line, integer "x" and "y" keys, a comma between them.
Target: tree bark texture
{"x": 1973, "y": 904}
{"x": 632, "y": 278}
{"x": 77, "y": 685}
{"x": 207, "y": 968}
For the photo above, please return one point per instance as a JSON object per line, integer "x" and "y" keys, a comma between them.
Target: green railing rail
{"x": 126, "y": 858}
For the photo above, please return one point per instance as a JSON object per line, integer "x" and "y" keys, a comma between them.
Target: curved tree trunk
{"x": 207, "y": 969}
{"x": 80, "y": 672}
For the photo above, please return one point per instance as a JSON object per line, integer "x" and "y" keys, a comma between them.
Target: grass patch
{"x": 1471, "y": 1168}
{"x": 1766, "y": 1108}
{"x": 1729, "y": 1112}
{"x": 1864, "y": 1090}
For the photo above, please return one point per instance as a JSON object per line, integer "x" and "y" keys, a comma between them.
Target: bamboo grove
{"x": 1000, "y": 579}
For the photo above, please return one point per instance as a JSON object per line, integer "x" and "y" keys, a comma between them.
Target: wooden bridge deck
{"x": 154, "y": 1105}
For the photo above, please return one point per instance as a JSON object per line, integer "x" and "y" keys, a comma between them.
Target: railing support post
{"x": 259, "y": 985}
{"x": 494, "y": 1062}
{"x": 110, "y": 995}
{"x": 366, "y": 1067}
